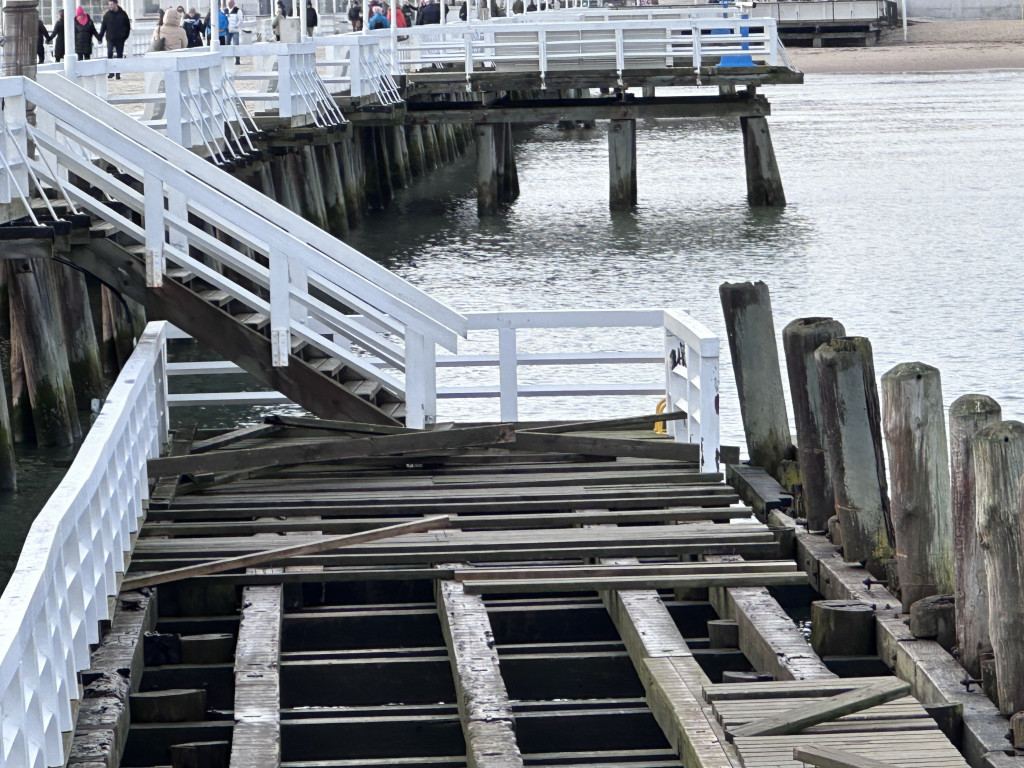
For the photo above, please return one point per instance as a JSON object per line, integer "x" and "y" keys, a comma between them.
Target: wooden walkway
{"x": 555, "y": 615}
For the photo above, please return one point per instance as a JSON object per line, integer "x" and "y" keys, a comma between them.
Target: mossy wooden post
{"x": 799, "y": 340}
{"x": 755, "y": 361}
{"x": 334, "y": 191}
{"x": 967, "y": 415}
{"x": 118, "y": 334}
{"x": 764, "y": 183}
{"x": 80, "y": 334}
{"x": 312, "y": 187}
{"x": 853, "y": 431}
{"x": 431, "y": 151}
{"x": 998, "y": 468}
{"x": 922, "y": 515}
{"x": 349, "y": 178}
{"x": 22, "y": 428}
{"x": 8, "y": 466}
{"x": 486, "y": 170}
{"x": 511, "y": 177}
{"x": 417, "y": 151}
{"x": 622, "y": 165}
{"x": 43, "y": 355}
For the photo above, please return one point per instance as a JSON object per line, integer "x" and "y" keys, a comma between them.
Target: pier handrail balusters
{"x": 691, "y": 384}
{"x": 72, "y": 559}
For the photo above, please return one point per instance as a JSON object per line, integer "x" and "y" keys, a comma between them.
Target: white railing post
{"x": 542, "y": 53}
{"x": 280, "y": 309}
{"x": 773, "y": 43}
{"x": 178, "y": 127}
{"x": 13, "y": 144}
{"x": 420, "y": 380}
{"x": 153, "y": 215}
{"x": 696, "y": 36}
{"x": 620, "y": 54}
{"x": 508, "y": 374}
{"x": 355, "y": 67}
{"x": 284, "y": 85}
{"x": 691, "y": 384}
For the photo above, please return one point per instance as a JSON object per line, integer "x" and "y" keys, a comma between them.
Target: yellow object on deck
{"x": 659, "y": 426}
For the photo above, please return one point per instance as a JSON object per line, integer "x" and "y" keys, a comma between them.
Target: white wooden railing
{"x": 72, "y": 561}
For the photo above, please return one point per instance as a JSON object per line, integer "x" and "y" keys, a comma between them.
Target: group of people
{"x": 115, "y": 26}
{"x": 310, "y": 17}
{"x": 382, "y": 18}
{"x": 177, "y": 29}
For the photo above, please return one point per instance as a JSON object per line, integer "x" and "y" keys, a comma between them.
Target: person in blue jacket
{"x": 378, "y": 20}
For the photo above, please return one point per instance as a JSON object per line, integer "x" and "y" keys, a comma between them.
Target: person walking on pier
{"x": 195, "y": 28}
{"x": 355, "y": 16}
{"x": 311, "y": 18}
{"x": 43, "y": 37}
{"x": 234, "y": 14}
{"x": 170, "y": 30}
{"x": 115, "y": 27}
{"x": 430, "y": 13}
{"x": 85, "y": 31}
{"x": 57, "y": 35}
{"x": 378, "y": 20}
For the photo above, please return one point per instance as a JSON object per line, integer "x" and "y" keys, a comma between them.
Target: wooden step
{"x": 362, "y": 388}
{"x": 328, "y": 365}
{"x": 395, "y": 410}
{"x": 256, "y": 320}
{"x": 215, "y": 296}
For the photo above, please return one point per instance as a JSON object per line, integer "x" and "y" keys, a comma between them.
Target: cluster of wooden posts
{"x": 949, "y": 525}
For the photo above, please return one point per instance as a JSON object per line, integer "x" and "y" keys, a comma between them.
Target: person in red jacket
{"x": 398, "y": 19}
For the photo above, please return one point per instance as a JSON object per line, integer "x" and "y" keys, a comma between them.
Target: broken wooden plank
{"x": 234, "y": 436}
{"x": 282, "y": 553}
{"x": 621, "y": 570}
{"x": 335, "y": 426}
{"x": 799, "y": 718}
{"x": 256, "y": 738}
{"x": 330, "y": 450}
{"x": 606, "y": 446}
{"x": 484, "y": 707}
{"x": 824, "y": 757}
{"x": 500, "y": 586}
{"x": 602, "y": 424}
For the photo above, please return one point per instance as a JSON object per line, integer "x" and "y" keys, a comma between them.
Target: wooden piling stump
{"x": 967, "y": 415}
{"x": 922, "y": 517}
{"x": 799, "y": 340}
{"x": 842, "y": 628}
{"x": 486, "y": 171}
{"x": 622, "y": 165}
{"x": 764, "y": 183}
{"x": 853, "y": 429}
{"x": 998, "y": 467}
{"x": 755, "y": 360}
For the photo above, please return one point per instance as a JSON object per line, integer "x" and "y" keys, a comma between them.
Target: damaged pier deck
{"x": 309, "y": 593}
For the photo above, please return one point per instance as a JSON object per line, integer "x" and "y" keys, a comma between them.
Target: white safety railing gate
{"x": 72, "y": 559}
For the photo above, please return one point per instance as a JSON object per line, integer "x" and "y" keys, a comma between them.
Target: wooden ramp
{"x": 333, "y": 594}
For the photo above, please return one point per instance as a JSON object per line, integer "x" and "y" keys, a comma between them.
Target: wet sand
{"x": 932, "y": 46}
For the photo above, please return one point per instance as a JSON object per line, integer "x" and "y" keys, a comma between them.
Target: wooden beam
{"x": 484, "y": 708}
{"x": 823, "y": 710}
{"x": 622, "y": 570}
{"x": 335, "y": 425}
{"x": 256, "y": 738}
{"x": 282, "y": 553}
{"x": 234, "y": 436}
{"x": 835, "y": 758}
{"x": 330, "y": 450}
{"x": 606, "y": 446}
{"x": 628, "y": 422}
{"x": 484, "y": 586}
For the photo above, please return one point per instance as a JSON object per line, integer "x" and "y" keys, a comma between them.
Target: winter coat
{"x": 57, "y": 35}
{"x": 41, "y": 40}
{"x": 116, "y": 26}
{"x": 429, "y": 14}
{"x": 84, "y": 34}
{"x": 174, "y": 36}
{"x": 398, "y": 18}
{"x": 194, "y": 29}
{"x": 235, "y": 20}
{"x": 311, "y": 17}
{"x": 378, "y": 21}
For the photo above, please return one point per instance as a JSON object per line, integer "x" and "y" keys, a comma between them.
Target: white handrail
{"x": 72, "y": 560}
{"x": 691, "y": 384}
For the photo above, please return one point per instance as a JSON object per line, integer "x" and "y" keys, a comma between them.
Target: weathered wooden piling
{"x": 998, "y": 457}
{"x": 313, "y": 206}
{"x": 842, "y": 628}
{"x": 969, "y": 414}
{"x": 799, "y": 340}
{"x": 922, "y": 516}
{"x": 853, "y": 432}
{"x": 417, "y": 151}
{"x": 764, "y": 183}
{"x": 117, "y": 329}
{"x": 486, "y": 170}
{"x": 334, "y": 191}
{"x": 622, "y": 165}
{"x": 8, "y": 465}
{"x": 755, "y": 361}
{"x": 34, "y": 313}
{"x": 80, "y": 335}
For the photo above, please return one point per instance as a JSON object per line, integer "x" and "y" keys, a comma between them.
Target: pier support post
{"x": 967, "y": 416}
{"x": 8, "y": 467}
{"x": 80, "y": 334}
{"x": 486, "y": 170}
{"x": 334, "y": 191}
{"x": 922, "y": 516}
{"x": 998, "y": 468}
{"x": 622, "y": 165}
{"x": 755, "y": 360}
{"x": 764, "y": 183}
{"x": 799, "y": 340}
{"x": 853, "y": 430}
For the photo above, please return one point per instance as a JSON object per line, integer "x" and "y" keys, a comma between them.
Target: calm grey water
{"x": 904, "y": 221}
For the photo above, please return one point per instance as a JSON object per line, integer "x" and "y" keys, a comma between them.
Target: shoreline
{"x": 932, "y": 46}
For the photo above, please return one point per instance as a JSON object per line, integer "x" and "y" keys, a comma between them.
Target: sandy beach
{"x": 932, "y": 46}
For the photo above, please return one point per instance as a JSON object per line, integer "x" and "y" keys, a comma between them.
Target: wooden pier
{"x": 551, "y": 608}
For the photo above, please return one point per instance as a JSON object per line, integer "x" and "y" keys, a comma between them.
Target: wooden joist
{"x": 256, "y": 738}
{"x": 497, "y": 586}
{"x": 283, "y": 553}
{"x": 484, "y": 708}
{"x": 330, "y": 450}
{"x": 617, "y": 570}
{"x": 799, "y": 718}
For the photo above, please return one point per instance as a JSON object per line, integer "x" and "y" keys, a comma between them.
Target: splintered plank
{"x": 583, "y": 584}
{"x": 256, "y": 739}
{"x": 330, "y": 450}
{"x": 799, "y": 689}
{"x": 282, "y": 553}
{"x": 606, "y": 446}
{"x": 484, "y": 707}
{"x": 835, "y": 758}
{"x": 800, "y": 717}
